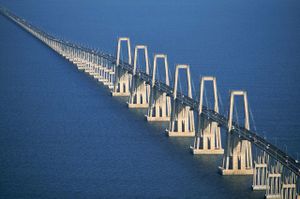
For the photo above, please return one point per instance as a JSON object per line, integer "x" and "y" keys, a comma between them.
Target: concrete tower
{"x": 160, "y": 104}
{"x": 208, "y": 137}
{"x": 238, "y": 157}
{"x": 122, "y": 78}
{"x": 139, "y": 93}
{"x": 182, "y": 117}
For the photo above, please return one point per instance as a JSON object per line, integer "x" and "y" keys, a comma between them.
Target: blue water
{"x": 63, "y": 136}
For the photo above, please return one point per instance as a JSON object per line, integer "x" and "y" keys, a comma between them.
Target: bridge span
{"x": 281, "y": 172}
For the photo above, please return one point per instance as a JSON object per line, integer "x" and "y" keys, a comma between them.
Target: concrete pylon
{"x": 81, "y": 63}
{"x": 102, "y": 65}
{"x": 122, "y": 78}
{"x": 288, "y": 190}
{"x": 93, "y": 64}
{"x": 182, "y": 122}
{"x": 108, "y": 74}
{"x": 89, "y": 68}
{"x": 139, "y": 95}
{"x": 237, "y": 159}
{"x": 260, "y": 172}
{"x": 97, "y": 68}
{"x": 159, "y": 104}
{"x": 87, "y": 63}
{"x": 274, "y": 184}
{"x": 208, "y": 133}
{"x": 77, "y": 60}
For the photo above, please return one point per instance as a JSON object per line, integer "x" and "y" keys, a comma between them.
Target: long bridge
{"x": 274, "y": 170}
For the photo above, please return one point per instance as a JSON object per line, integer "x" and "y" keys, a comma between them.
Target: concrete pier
{"x": 182, "y": 122}
{"x": 289, "y": 186}
{"x": 122, "y": 79}
{"x": 97, "y": 68}
{"x": 274, "y": 184}
{"x": 237, "y": 159}
{"x": 140, "y": 91}
{"x": 82, "y": 66}
{"x": 208, "y": 133}
{"x": 159, "y": 104}
{"x": 260, "y": 172}
{"x": 102, "y": 65}
{"x": 108, "y": 75}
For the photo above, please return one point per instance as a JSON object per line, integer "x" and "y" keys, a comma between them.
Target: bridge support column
{"x": 182, "y": 117}
{"x": 97, "y": 68}
{"x": 88, "y": 68}
{"x": 111, "y": 77}
{"x": 289, "y": 187}
{"x": 108, "y": 73}
{"x": 81, "y": 62}
{"x": 160, "y": 104}
{"x": 77, "y": 60}
{"x": 104, "y": 72}
{"x": 122, "y": 78}
{"x": 260, "y": 172}
{"x": 139, "y": 95}
{"x": 237, "y": 159}
{"x": 102, "y": 66}
{"x": 208, "y": 137}
{"x": 87, "y": 63}
{"x": 93, "y": 63}
{"x": 274, "y": 184}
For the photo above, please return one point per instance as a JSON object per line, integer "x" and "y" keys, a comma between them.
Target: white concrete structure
{"x": 208, "y": 133}
{"x": 140, "y": 91}
{"x": 182, "y": 122}
{"x": 288, "y": 190}
{"x": 274, "y": 184}
{"x": 81, "y": 62}
{"x": 260, "y": 172}
{"x": 160, "y": 104}
{"x": 88, "y": 68}
{"x": 97, "y": 68}
{"x": 122, "y": 79}
{"x": 108, "y": 74}
{"x": 237, "y": 159}
{"x": 102, "y": 65}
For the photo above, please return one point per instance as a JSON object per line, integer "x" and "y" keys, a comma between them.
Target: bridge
{"x": 274, "y": 171}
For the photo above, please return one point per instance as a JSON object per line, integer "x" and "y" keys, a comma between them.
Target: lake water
{"x": 63, "y": 136}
